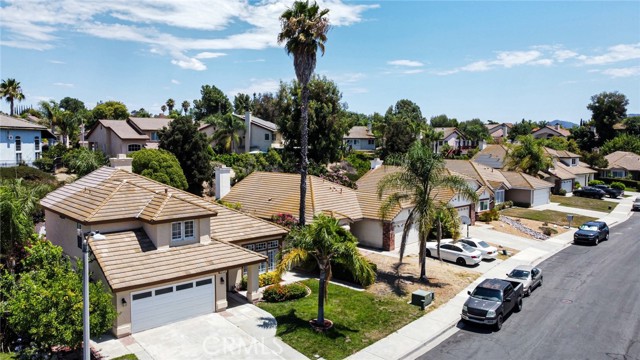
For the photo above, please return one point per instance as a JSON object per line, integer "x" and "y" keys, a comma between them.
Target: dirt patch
{"x": 531, "y": 224}
{"x": 444, "y": 279}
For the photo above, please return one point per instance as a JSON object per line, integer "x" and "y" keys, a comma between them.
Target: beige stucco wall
{"x": 257, "y": 138}
{"x": 519, "y": 196}
{"x": 368, "y": 232}
{"x": 62, "y": 232}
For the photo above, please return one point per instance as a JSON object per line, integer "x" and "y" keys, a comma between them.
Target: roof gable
{"x": 359, "y": 132}
{"x": 623, "y": 160}
{"x": 121, "y": 128}
{"x": 149, "y": 124}
{"x": 9, "y": 122}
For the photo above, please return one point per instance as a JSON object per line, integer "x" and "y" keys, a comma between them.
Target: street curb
{"x": 431, "y": 339}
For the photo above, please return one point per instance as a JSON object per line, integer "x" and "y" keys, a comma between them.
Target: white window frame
{"x": 262, "y": 267}
{"x": 18, "y": 143}
{"x": 36, "y": 143}
{"x": 130, "y": 145}
{"x": 499, "y": 199}
{"x": 483, "y": 202}
{"x": 271, "y": 255}
{"x": 183, "y": 226}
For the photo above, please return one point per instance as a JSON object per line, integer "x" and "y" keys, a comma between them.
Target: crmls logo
{"x": 226, "y": 346}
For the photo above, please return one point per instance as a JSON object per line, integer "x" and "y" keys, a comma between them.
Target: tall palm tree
{"x": 304, "y": 31}
{"x": 163, "y": 108}
{"x": 170, "y": 104}
{"x": 422, "y": 178}
{"x": 325, "y": 240}
{"x": 227, "y": 128}
{"x": 528, "y": 156}
{"x": 11, "y": 90}
{"x": 185, "y": 106}
{"x": 53, "y": 116}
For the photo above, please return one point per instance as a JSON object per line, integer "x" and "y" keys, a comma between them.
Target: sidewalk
{"x": 428, "y": 331}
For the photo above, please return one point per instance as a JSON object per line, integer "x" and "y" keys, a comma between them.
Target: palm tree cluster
{"x": 11, "y": 91}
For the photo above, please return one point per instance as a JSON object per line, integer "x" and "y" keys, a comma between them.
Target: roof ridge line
{"x": 109, "y": 197}
{"x": 164, "y": 203}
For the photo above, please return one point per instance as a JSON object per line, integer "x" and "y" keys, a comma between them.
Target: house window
{"x": 182, "y": 230}
{"x": 574, "y": 162}
{"x": 617, "y": 173}
{"x": 37, "y": 156}
{"x": 499, "y": 196}
{"x": 18, "y": 143}
{"x": 261, "y": 246}
{"x": 266, "y": 136}
{"x": 18, "y": 158}
{"x": 370, "y": 142}
{"x": 355, "y": 142}
{"x": 271, "y": 254}
{"x": 249, "y": 247}
{"x": 484, "y": 205}
{"x": 134, "y": 147}
{"x": 36, "y": 143}
{"x": 154, "y": 136}
{"x": 262, "y": 267}
{"x": 273, "y": 244}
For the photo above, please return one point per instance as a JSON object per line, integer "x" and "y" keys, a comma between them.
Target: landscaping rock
{"x": 517, "y": 225}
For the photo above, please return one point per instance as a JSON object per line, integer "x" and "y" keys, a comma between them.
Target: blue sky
{"x": 500, "y": 60}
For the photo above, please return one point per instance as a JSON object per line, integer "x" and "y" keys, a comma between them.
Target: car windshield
{"x": 466, "y": 247}
{"x": 487, "y": 294}
{"x": 519, "y": 274}
{"x": 637, "y": 201}
{"x": 589, "y": 227}
{"x": 483, "y": 244}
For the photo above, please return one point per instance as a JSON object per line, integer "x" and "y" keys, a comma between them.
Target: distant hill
{"x": 564, "y": 124}
{"x": 632, "y": 115}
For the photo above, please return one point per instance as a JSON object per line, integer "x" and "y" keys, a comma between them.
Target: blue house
{"x": 21, "y": 141}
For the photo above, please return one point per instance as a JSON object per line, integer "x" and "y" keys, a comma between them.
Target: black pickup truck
{"x": 611, "y": 192}
{"x": 491, "y": 301}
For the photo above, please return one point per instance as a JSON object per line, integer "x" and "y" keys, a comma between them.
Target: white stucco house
{"x": 550, "y": 131}
{"x": 114, "y": 137}
{"x": 360, "y": 138}
{"x": 21, "y": 141}
{"x": 455, "y": 139}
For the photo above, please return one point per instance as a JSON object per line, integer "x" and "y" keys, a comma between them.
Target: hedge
{"x": 278, "y": 293}
{"x": 627, "y": 182}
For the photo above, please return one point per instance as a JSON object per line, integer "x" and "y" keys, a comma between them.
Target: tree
{"x": 443, "y": 121}
{"x": 213, "y": 102}
{"x": 192, "y": 150}
{"x": 51, "y": 112}
{"x": 474, "y": 130}
{"x": 584, "y": 137}
{"x": 142, "y": 113}
{"x": 523, "y": 128}
{"x": 324, "y": 240}
{"x": 113, "y": 110}
{"x": 594, "y": 159}
{"x": 632, "y": 125}
{"x": 44, "y": 303}
{"x": 270, "y": 106}
{"x": 82, "y": 161}
{"x": 170, "y": 104}
{"x": 11, "y": 91}
{"x": 159, "y": 165}
{"x": 304, "y": 31}
{"x": 185, "y": 107}
{"x": 608, "y": 108}
{"x": 72, "y": 104}
{"x": 528, "y": 156}
{"x": 623, "y": 142}
{"x": 402, "y": 125}
{"x": 163, "y": 108}
{"x": 241, "y": 103}
{"x": 423, "y": 175}
{"x": 560, "y": 143}
{"x": 227, "y": 129}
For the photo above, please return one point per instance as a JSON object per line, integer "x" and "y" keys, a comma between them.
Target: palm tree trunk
{"x": 321, "y": 295}
{"x": 304, "y": 161}
{"x": 423, "y": 257}
{"x": 11, "y": 100}
{"x": 439, "y": 238}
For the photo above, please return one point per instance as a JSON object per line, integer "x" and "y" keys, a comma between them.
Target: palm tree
{"x": 11, "y": 90}
{"x": 54, "y": 116}
{"x": 163, "y": 108}
{"x": 228, "y": 127}
{"x": 422, "y": 178}
{"x": 325, "y": 240}
{"x": 185, "y": 106}
{"x": 304, "y": 31}
{"x": 528, "y": 156}
{"x": 170, "y": 104}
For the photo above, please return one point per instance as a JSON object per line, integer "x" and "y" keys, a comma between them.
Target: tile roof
{"x": 519, "y": 180}
{"x": 578, "y": 170}
{"x": 129, "y": 259}
{"x": 259, "y": 122}
{"x": 234, "y": 226}
{"x": 560, "y": 171}
{"x": 560, "y": 153}
{"x": 264, "y": 194}
{"x": 447, "y": 131}
{"x": 560, "y": 131}
{"x": 623, "y": 160}
{"x": 496, "y": 152}
{"x": 150, "y": 124}
{"x": 121, "y": 128}
{"x": 359, "y": 132}
{"x": 9, "y": 122}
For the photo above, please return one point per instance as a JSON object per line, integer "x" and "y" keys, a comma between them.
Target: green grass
{"x": 7, "y": 356}
{"x": 583, "y": 203}
{"x": 549, "y": 216}
{"x": 126, "y": 357}
{"x": 360, "y": 319}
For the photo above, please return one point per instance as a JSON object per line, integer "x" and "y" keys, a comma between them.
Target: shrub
{"x": 577, "y": 185}
{"x": 563, "y": 192}
{"x": 340, "y": 272}
{"x": 490, "y": 215}
{"x": 27, "y": 173}
{"x": 360, "y": 162}
{"x": 265, "y": 279}
{"x": 82, "y": 161}
{"x": 286, "y": 220}
{"x": 548, "y": 231}
{"x": 617, "y": 185}
{"x": 278, "y": 293}
{"x": 596, "y": 182}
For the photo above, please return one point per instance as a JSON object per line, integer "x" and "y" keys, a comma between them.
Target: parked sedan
{"x": 636, "y": 204}
{"x": 592, "y": 232}
{"x": 488, "y": 251}
{"x": 529, "y": 276}
{"x": 460, "y": 253}
{"x": 589, "y": 191}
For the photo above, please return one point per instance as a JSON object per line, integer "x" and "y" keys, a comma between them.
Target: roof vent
{"x": 166, "y": 190}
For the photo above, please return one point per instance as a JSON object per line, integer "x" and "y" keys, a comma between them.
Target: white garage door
{"x": 540, "y": 197}
{"x": 566, "y": 185}
{"x": 463, "y": 211}
{"x": 171, "y": 303}
{"x": 412, "y": 237}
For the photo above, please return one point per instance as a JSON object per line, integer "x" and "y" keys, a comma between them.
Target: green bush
{"x": 27, "y": 173}
{"x": 617, "y": 185}
{"x": 82, "y": 161}
{"x": 340, "y": 272}
{"x": 577, "y": 185}
{"x": 359, "y": 161}
{"x": 278, "y": 293}
{"x": 596, "y": 182}
{"x": 563, "y": 192}
{"x": 490, "y": 215}
{"x": 548, "y": 231}
{"x": 631, "y": 185}
{"x": 265, "y": 279}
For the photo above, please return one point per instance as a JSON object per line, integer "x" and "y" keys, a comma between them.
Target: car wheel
{"x": 596, "y": 242}
{"x": 499, "y": 323}
{"x": 428, "y": 253}
{"x": 460, "y": 261}
{"x": 519, "y": 305}
{"x": 528, "y": 292}
{"x": 607, "y": 237}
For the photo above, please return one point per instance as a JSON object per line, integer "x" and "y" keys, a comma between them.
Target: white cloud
{"x": 209, "y": 55}
{"x": 413, "y": 71}
{"x": 58, "y": 62}
{"x": 562, "y": 55}
{"x": 257, "y": 86}
{"x": 617, "y": 53}
{"x": 410, "y": 63}
{"x": 189, "y": 64}
{"x": 67, "y": 85}
{"x": 623, "y": 72}
{"x": 174, "y": 81}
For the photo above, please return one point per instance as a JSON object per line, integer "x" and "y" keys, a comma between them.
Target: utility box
{"x": 422, "y": 298}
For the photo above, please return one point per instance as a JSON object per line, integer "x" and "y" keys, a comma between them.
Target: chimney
{"x": 121, "y": 162}
{"x": 223, "y": 181}
{"x": 369, "y": 127}
{"x": 482, "y": 145}
{"x": 376, "y": 163}
{"x": 557, "y": 126}
{"x": 247, "y": 131}
{"x": 505, "y": 131}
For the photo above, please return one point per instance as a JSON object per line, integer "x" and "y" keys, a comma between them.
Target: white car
{"x": 488, "y": 251}
{"x": 460, "y": 253}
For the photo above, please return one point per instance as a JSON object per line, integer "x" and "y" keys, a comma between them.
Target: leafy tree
{"x": 560, "y": 143}
{"x": 623, "y": 142}
{"x": 423, "y": 175}
{"x": 357, "y": 119}
{"x": 213, "y": 102}
{"x": 608, "y": 108}
{"x": 11, "y": 91}
{"x": 170, "y": 104}
{"x": 523, "y": 128}
{"x": 72, "y": 104}
{"x": 594, "y": 159}
{"x": 474, "y": 129}
{"x": 159, "y": 165}
{"x": 272, "y": 106}
{"x": 528, "y": 156}
{"x": 443, "y": 121}
{"x": 113, "y": 110}
{"x": 82, "y": 161}
{"x": 632, "y": 125}
{"x": 163, "y": 108}
{"x": 185, "y": 107}
{"x": 227, "y": 129}
{"x": 44, "y": 303}
{"x": 400, "y": 127}
{"x": 191, "y": 148}
{"x": 241, "y": 103}
{"x": 304, "y": 31}
{"x": 142, "y": 113}
{"x": 584, "y": 137}
{"x": 324, "y": 240}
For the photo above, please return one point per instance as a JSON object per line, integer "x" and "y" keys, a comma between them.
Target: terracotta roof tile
{"x": 623, "y": 160}
{"x": 150, "y": 124}
{"x": 121, "y": 128}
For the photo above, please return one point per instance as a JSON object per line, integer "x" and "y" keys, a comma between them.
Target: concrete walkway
{"x": 430, "y": 330}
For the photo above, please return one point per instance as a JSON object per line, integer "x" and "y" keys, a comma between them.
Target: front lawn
{"x": 583, "y": 203}
{"x": 548, "y": 216}
{"x": 360, "y": 319}
{"x": 7, "y": 356}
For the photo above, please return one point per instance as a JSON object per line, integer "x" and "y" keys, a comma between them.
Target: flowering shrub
{"x": 278, "y": 293}
{"x": 286, "y": 220}
{"x": 265, "y": 279}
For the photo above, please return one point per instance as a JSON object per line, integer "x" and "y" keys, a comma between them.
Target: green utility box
{"x": 422, "y": 298}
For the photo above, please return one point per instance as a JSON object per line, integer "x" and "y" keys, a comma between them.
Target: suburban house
{"x": 499, "y": 132}
{"x": 456, "y": 140}
{"x": 622, "y": 164}
{"x": 259, "y": 135}
{"x": 165, "y": 254}
{"x": 360, "y": 138}
{"x": 526, "y": 190}
{"x": 493, "y": 156}
{"x": 21, "y": 141}
{"x": 114, "y": 137}
{"x": 550, "y": 131}
{"x": 567, "y": 170}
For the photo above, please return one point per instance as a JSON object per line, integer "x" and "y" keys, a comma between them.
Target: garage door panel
{"x": 540, "y": 197}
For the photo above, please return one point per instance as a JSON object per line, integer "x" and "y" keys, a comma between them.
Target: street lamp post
{"x": 86, "y": 345}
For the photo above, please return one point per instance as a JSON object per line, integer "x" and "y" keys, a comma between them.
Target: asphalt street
{"x": 587, "y": 308}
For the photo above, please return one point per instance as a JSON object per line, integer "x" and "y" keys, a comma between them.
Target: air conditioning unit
{"x": 422, "y": 298}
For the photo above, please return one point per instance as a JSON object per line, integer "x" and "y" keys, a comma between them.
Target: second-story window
{"x": 182, "y": 230}
{"x": 267, "y": 137}
{"x": 36, "y": 143}
{"x": 154, "y": 136}
{"x": 134, "y": 147}
{"x": 18, "y": 144}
